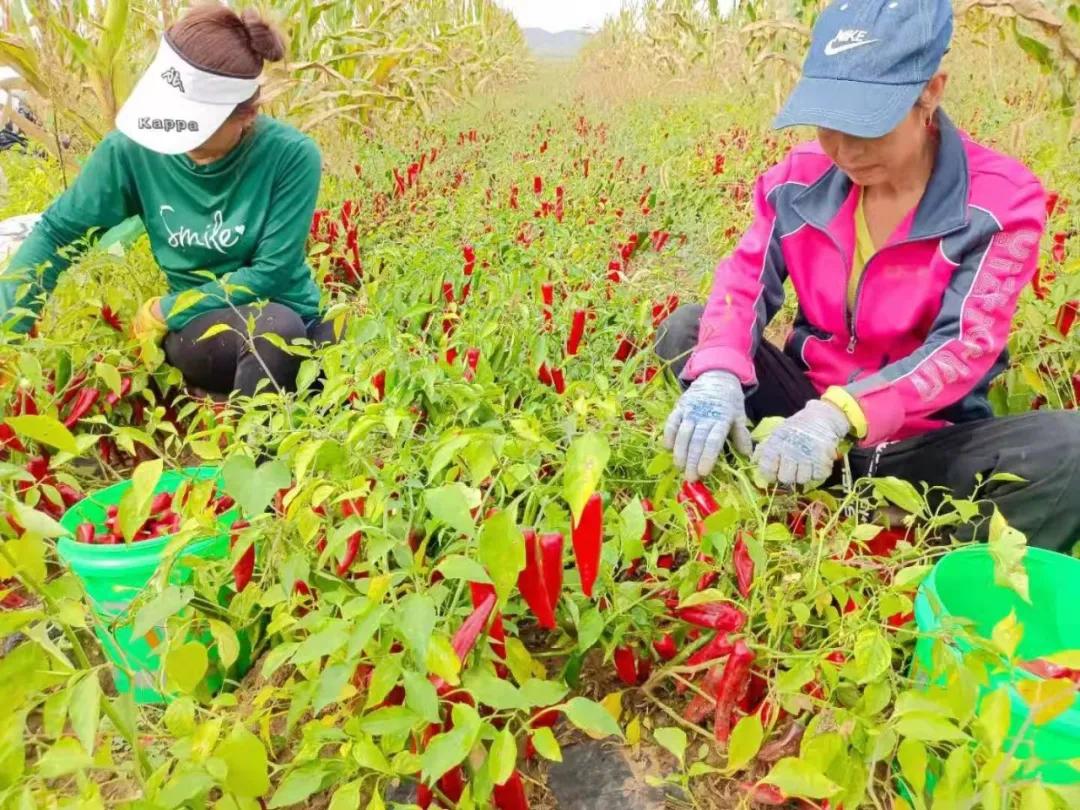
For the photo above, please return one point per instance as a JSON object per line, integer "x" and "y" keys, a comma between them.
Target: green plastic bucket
{"x": 113, "y": 577}
{"x": 962, "y": 585}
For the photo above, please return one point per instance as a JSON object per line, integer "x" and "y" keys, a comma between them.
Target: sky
{"x": 561, "y": 15}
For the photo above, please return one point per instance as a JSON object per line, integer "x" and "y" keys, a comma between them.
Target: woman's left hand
{"x": 149, "y": 323}
{"x": 803, "y": 449}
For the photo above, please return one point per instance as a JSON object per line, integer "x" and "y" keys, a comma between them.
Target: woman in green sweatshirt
{"x": 220, "y": 189}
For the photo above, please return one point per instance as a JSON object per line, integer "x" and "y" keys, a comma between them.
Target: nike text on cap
{"x": 868, "y": 62}
{"x": 176, "y": 106}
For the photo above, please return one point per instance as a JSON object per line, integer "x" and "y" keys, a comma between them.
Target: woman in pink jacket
{"x": 907, "y": 245}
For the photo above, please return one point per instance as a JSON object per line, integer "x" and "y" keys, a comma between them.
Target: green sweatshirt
{"x": 244, "y": 218}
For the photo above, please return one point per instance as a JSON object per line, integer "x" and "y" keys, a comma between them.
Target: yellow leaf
{"x": 633, "y": 731}
{"x": 612, "y": 705}
{"x": 1065, "y": 658}
{"x": 1047, "y": 697}
{"x": 1007, "y": 634}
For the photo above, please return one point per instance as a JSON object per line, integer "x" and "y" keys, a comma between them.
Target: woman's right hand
{"x": 711, "y": 411}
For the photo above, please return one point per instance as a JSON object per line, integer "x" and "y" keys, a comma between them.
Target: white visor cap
{"x": 177, "y": 106}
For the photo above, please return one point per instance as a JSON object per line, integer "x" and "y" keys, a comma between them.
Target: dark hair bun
{"x": 265, "y": 39}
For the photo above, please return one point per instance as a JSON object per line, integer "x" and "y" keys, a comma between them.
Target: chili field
{"x": 462, "y": 552}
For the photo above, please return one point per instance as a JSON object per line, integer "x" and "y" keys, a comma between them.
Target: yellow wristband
{"x": 850, "y": 406}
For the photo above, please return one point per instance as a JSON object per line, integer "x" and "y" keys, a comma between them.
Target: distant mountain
{"x": 561, "y": 45}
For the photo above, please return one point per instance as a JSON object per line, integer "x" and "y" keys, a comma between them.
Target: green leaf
{"x": 85, "y": 710}
{"x": 325, "y": 642}
{"x": 900, "y": 493}
{"x": 228, "y": 645}
{"x": 745, "y": 741}
{"x": 135, "y": 503}
{"x": 993, "y": 719}
{"x": 798, "y": 779}
{"x": 448, "y": 750}
{"x": 1047, "y": 698}
{"x": 36, "y": 522}
{"x": 591, "y": 717}
{"x": 671, "y": 738}
{"x": 543, "y": 740}
{"x": 493, "y": 691}
{"x": 1008, "y": 547}
{"x": 180, "y": 717}
{"x": 457, "y": 566}
{"x": 590, "y": 628}
{"x": 388, "y": 720}
{"x": 254, "y": 488}
{"x": 416, "y": 623}
{"x": 44, "y": 430}
{"x": 873, "y": 655}
{"x": 155, "y": 612}
{"x": 503, "y": 756}
{"x": 110, "y": 376}
{"x": 1036, "y": 797}
{"x": 249, "y": 770}
{"x": 186, "y": 666}
{"x": 346, "y": 797}
{"x": 632, "y": 523}
{"x": 421, "y": 697}
{"x": 501, "y": 549}
{"x": 541, "y": 694}
{"x": 66, "y": 756}
{"x": 298, "y": 785}
{"x": 928, "y": 728}
{"x": 452, "y": 504}
{"x": 913, "y": 762}
{"x": 585, "y": 462}
{"x": 368, "y": 755}
{"x": 331, "y": 683}
{"x": 1007, "y": 634}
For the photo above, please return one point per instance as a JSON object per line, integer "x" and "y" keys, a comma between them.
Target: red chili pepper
{"x": 511, "y": 796}
{"x": 588, "y": 538}
{"x": 577, "y": 331}
{"x": 1067, "y": 316}
{"x": 113, "y": 398}
{"x": 69, "y": 495}
{"x": 700, "y": 706}
{"x": 448, "y": 292}
{"x": 469, "y": 255}
{"x": 540, "y": 582}
{"x": 465, "y": 638}
{"x": 625, "y": 349}
{"x": 1037, "y": 285}
{"x": 224, "y": 504}
{"x": 558, "y": 380}
{"x": 245, "y": 566}
{"x": 352, "y": 548}
{"x": 472, "y": 359}
{"x": 1051, "y": 203}
{"x": 161, "y": 503}
{"x": 1041, "y": 668}
{"x": 86, "y": 400}
{"x": 836, "y": 657}
{"x": 768, "y": 795}
{"x": 544, "y": 375}
{"x": 85, "y": 533}
{"x": 898, "y": 620}
{"x": 38, "y": 467}
{"x": 8, "y": 439}
{"x": 698, "y": 495}
{"x": 452, "y": 784}
{"x": 734, "y": 682}
{"x": 24, "y": 403}
{"x": 547, "y": 294}
{"x": 718, "y": 616}
{"x": 1057, "y": 251}
{"x": 666, "y": 647}
{"x": 538, "y": 185}
{"x": 744, "y": 567}
{"x": 1076, "y": 389}
{"x": 379, "y": 382}
{"x": 111, "y": 318}
{"x": 479, "y": 592}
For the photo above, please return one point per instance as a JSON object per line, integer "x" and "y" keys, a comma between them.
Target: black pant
{"x": 233, "y": 360}
{"x": 1042, "y": 447}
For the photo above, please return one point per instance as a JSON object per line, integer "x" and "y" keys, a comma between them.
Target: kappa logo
{"x": 847, "y": 39}
{"x": 172, "y": 78}
{"x": 168, "y": 125}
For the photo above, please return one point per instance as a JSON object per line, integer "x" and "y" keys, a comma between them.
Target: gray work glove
{"x": 803, "y": 448}
{"x": 712, "y": 410}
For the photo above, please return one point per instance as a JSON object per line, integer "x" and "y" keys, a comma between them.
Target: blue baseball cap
{"x": 869, "y": 61}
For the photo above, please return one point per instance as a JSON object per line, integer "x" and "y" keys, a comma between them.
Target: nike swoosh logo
{"x": 832, "y": 49}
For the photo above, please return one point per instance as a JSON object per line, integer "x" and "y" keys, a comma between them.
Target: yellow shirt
{"x": 864, "y": 249}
